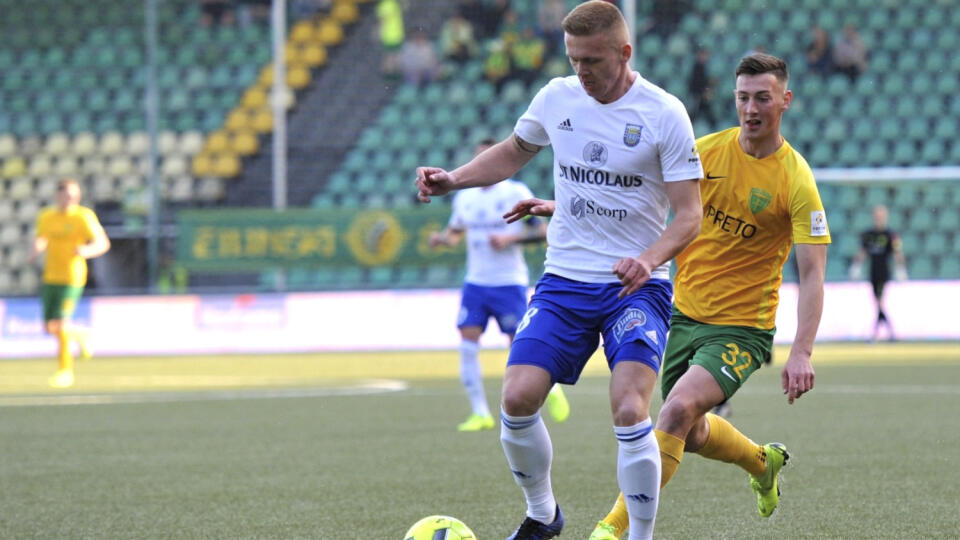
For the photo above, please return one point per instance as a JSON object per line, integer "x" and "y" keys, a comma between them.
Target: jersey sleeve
{"x": 679, "y": 159}
{"x": 530, "y": 126}
{"x": 43, "y": 224}
{"x": 92, "y": 226}
{"x": 806, "y": 211}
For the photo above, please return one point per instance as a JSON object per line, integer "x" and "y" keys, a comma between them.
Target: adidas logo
{"x": 641, "y": 498}
{"x": 565, "y": 125}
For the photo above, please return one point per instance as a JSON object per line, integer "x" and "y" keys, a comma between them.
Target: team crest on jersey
{"x": 759, "y": 199}
{"x": 631, "y": 318}
{"x": 595, "y": 153}
{"x": 631, "y": 134}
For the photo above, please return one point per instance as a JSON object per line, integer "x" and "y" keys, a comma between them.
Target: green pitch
{"x": 363, "y": 445}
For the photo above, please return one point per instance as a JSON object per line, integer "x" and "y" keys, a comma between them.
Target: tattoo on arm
{"x": 525, "y": 146}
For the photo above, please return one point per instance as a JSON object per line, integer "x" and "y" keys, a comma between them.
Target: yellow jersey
{"x": 753, "y": 212}
{"x": 65, "y": 232}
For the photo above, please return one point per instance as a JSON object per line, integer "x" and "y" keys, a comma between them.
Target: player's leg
{"x": 56, "y": 311}
{"x": 552, "y": 344}
{"x": 508, "y": 304}
{"x": 676, "y": 360}
{"x": 472, "y": 321}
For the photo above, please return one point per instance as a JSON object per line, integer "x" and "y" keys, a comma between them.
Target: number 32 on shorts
{"x": 737, "y": 359}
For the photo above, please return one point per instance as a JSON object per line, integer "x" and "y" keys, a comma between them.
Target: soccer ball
{"x": 439, "y": 528}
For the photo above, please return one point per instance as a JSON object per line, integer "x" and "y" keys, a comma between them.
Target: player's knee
{"x": 629, "y": 412}
{"x": 53, "y": 327}
{"x": 679, "y": 410}
{"x": 520, "y": 400}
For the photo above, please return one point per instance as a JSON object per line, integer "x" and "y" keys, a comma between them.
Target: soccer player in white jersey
{"x": 624, "y": 155}
{"x": 496, "y": 281}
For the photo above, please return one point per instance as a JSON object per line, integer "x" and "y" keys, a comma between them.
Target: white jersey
{"x": 610, "y": 162}
{"x": 479, "y": 212}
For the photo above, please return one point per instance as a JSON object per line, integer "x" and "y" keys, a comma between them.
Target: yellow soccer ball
{"x": 439, "y": 528}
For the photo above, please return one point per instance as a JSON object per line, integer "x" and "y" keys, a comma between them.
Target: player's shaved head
{"x": 594, "y": 17}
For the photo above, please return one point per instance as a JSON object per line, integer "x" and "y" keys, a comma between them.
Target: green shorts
{"x": 729, "y": 353}
{"x": 59, "y": 301}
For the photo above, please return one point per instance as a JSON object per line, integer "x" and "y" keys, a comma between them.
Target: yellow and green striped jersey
{"x": 65, "y": 232}
{"x": 753, "y": 212}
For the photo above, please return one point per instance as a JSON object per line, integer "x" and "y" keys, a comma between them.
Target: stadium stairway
{"x": 331, "y": 114}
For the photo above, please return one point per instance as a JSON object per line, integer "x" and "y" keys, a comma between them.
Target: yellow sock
{"x": 618, "y": 517}
{"x": 671, "y": 452}
{"x": 726, "y": 443}
{"x": 65, "y": 356}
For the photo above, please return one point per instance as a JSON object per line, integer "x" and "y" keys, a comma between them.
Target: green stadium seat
{"x": 920, "y": 267}
{"x": 948, "y": 220}
{"x": 904, "y": 153}
{"x": 949, "y": 268}
{"x": 934, "y": 152}
{"x": 935, "y": 243}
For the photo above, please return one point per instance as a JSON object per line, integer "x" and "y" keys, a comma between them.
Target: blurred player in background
{"x": 69, "y": 234}
{"x": 496, "y": 281}
{"x": 880, "y": 244}
{"x": 759, "y": 197}
{"x": 624, "y": 154}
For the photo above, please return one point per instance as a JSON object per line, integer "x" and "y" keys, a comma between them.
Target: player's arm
{"x": 448, "y": 237}
{"x": 497, "y": 163}
{"x": 797, "y": 376}
{"x": 900, "y": 262}
{"x": 98, "y": 244}
{"x": 534, "y": 232}
{"x": 687, "y": 214}
{"x": 38, "y": 246}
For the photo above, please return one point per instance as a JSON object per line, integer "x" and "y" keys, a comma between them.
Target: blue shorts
{"x": 561, "y": 329}
{"x": 506, "y": 304}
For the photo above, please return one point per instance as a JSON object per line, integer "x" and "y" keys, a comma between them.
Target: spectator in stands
{"x": 418, "y": 60}
{"x": 216, "y": 12}
{"x": 390, "y": 18}
{"x": 497, "y": 67}
{"x": 457, "y": 41}
{"x": 254, "y": 12}
{"x": 69, "y": 234}
{"x": 550, "y": 18}
{"x": 850, "y": 54}
{"x": 701, "y": 88}
{"x": 819, "y": 52}
{"x": 880, "y": 243}
{"x": 666, "y": 16}
{"x": 527, "y": 55}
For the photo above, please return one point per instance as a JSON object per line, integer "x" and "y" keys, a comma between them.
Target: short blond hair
{"x": 596, "y": 16}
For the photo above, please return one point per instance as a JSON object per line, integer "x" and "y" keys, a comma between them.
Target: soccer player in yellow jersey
{"x": 759, "y": 198}
{"x": 69, "y": 234}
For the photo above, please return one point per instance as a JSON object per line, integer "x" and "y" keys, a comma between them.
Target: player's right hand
{"x": 432, "y": 182}
{"x": 530, "y": 207}
{"x": 437, "y": 239}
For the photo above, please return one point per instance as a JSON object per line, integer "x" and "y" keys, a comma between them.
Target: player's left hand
{"x": 530, "y": 207}
{"x": 501, "y": 241}
{"x": 797, "y": 376}
{"x": 633, "y": 273}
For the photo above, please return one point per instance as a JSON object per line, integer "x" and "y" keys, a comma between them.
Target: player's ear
{"x": 787, "y": 99}
{"x": 626, "y": 51}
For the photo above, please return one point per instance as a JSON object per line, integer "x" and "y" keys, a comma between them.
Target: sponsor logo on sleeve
{"x": 818, "y": 223}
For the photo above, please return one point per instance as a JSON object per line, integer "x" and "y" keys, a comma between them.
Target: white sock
{"x": 472, "y": 377}
{"x": 638, "y": 472}
{"x": 529, "y": 452}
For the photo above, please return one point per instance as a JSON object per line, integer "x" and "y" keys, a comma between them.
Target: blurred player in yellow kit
{"x": 69, "y": 234}
{"x": 759, "y": 198}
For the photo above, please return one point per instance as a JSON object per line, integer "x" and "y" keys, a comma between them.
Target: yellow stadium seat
{"x": 202, "y": 165}
{"x": 345, "y": 11}
{"x": 244, "y": 143}
{"x": 298, "y": 77}
{"x": 40, "y": 165}
{"x": 293, "y": 52}
{"x": 330, "y": 32}
{"x": 314, "y": 55}
{"x": 226, "y": 166}
{"x": 255, "y": 97}
{"x": 13, "y": 166}
{"x": 57, "y": 143}
{"x": 238, "y": 119}
{"x": 8, "y": 145}
{"x": 84, "y": 144}
{"x": 302, "y": 32}
{"x": 262, "y": 121}
{"x": 216, "y": 142}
